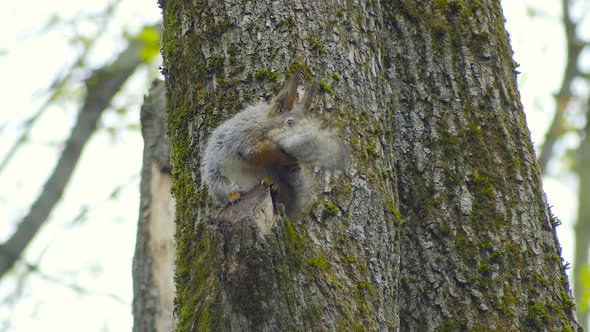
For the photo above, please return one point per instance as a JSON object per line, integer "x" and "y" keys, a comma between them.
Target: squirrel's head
{"x": 286, "y": 108}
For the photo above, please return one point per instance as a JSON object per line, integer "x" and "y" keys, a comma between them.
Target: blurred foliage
{"x": 151, "y": 38}
{"x": 584, "y": 276}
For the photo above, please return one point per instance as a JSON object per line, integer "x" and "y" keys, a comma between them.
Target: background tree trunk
{"x": 439, "y": 223}
{"x": 153, "y": 262}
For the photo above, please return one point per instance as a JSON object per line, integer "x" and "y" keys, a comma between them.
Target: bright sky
{"x": 96, "y": 252}
{"x": 539, "y": 47}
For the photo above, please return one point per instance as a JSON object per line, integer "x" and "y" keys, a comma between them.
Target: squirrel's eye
{"x": 290, "y": 122}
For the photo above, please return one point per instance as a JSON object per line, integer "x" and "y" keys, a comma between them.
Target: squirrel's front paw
{"x": 234, "y": 197}
{"x": 269, "y": 183}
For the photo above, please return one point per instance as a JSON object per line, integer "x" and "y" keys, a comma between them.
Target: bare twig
{"x": 564, "y": 96}
{"x": 56, "y": 86}
{"x": 81, "y": 214}
{"x": 101, "y": 87}
{"x": 74, "y": 286}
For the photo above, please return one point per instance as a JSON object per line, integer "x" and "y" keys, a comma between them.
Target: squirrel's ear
{"x": 308, "y": 97}
{"x": 286, "y": 99}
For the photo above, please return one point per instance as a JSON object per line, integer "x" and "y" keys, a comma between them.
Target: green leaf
{"x": 133, "y": 126}
{"x": 151, "y": 40}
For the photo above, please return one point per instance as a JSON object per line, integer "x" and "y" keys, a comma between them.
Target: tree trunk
{"x": 153, "y": 262}
{"x": 439, "y": 223}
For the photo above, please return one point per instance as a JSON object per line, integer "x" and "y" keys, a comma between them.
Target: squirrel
{"x": 271, "y": 143}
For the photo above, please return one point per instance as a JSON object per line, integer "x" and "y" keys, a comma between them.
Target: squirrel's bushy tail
{"x": 313, "y": 146}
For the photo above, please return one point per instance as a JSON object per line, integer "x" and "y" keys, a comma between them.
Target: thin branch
{"x": 34, "y": 266}
{"x": 56, "y": 87}
{"x": 564, "y": 96}
{"x": 101, "y": 87}
{"x": 74, "y": 286}
{"x": 80, "y": 216}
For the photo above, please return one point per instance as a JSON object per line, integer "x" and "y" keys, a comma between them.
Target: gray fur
{"x": 224, "y": 168}
{"x": 311, "y": 145}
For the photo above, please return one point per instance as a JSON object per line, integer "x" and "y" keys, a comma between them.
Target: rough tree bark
{"x": 440, "y": 222}
{"x": 153, "y": 262}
